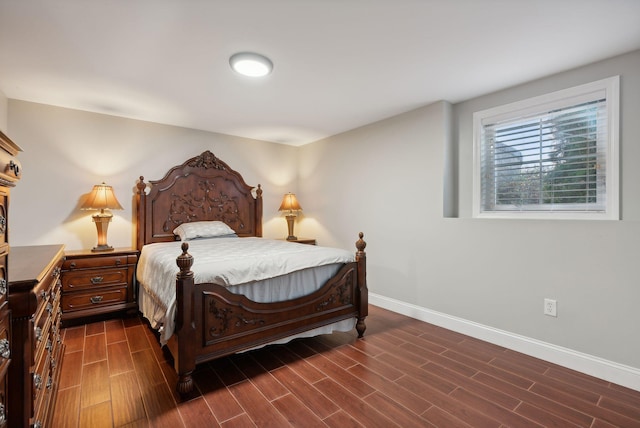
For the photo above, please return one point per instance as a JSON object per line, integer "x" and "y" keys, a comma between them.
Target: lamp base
{"x": 101, "y": 248}
{"x": 102, "y": 224}
{"x": 290, "y": 219}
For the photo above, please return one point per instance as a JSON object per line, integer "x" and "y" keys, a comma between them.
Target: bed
{"x": 205, "y": 305}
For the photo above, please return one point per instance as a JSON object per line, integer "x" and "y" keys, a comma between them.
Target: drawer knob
{"x": 38, "y": 334}
{"x": 5, "y": 349}
{"x": 96, "y": 299}
{"x": 3, "y": 286}
{"x": 97, "y": 279}
{"x": 37, "y": 380}
{"x": 3, "y": 417}
{"x": 3, "y": 224}
{"x": 72, "y": 265}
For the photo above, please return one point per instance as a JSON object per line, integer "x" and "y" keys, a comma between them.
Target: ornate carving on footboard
{"x": 343, "y": 294}
{"x": 233, "y": 319}
{"x": 224, "y": 317}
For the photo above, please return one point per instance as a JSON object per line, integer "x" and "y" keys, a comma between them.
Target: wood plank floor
{"x": 404, "y": 373}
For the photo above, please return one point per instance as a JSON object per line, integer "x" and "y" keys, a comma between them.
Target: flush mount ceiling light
{"x": 251, "y": 64}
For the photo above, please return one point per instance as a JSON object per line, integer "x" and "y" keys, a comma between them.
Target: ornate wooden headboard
{"x": 202, "y": 188}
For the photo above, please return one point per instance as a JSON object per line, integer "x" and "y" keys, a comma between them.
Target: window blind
{"x": 553, "y": 160}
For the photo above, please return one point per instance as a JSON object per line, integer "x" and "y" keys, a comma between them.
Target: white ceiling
{"x": 338, "y": 64}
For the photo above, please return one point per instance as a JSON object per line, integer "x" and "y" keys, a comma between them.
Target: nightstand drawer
{"x": 94, "y": 298}
{"x": 90, "y": 278}
{"x": 92, "y": 261}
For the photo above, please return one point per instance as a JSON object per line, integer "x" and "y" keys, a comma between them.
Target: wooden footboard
{"x": 212, "y": 322}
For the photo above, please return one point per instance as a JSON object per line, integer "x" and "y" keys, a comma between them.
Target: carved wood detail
{"x": 204, "y": 203}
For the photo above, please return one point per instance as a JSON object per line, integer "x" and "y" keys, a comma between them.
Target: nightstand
{"x": 308, "y": 241}
{"x": 97, "y": 283}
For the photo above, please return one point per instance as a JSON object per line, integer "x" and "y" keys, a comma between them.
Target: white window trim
{"x": 611, "y": 86}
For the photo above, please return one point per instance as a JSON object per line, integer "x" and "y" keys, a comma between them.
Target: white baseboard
{"x": 594, "y": 366}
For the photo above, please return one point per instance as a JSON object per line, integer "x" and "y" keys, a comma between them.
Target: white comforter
{"x": 227, "y": 262}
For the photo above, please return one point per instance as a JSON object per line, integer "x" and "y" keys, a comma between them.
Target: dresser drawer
{"x": 4, "y": 404}
{"x": 77, "y": 263}
{"x": 90, "y": 278}
{"x": 94, "y": 298}
{"x": 3, "y": 277}
{"x": 5, "y": 333}
{"x": 4, "y": 225}
{"x": 41, "y": 335}
{"x": 5, "y": 338}
{"x": 41, "y": 379}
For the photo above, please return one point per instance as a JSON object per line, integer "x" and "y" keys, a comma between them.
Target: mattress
{"x": 264, "y": 270}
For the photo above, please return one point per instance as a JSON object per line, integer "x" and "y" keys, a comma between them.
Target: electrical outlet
{"x": 550, "y": 307}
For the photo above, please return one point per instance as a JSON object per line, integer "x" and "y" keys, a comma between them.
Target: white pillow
{"x": 202, "y": 229}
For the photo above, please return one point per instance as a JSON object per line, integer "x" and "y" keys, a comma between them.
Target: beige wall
{"x": 66, "y": 152}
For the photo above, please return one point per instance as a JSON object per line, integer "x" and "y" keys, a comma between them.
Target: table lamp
{"x": 101, "y": 198}
{"x": 290, "y": 203}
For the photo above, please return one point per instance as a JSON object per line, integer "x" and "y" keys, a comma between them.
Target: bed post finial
{"x": 363, "y": 293}
{"x": 361, "y": 244}
{"x": 140, "y": 185}
{"x": 184, "y": 262}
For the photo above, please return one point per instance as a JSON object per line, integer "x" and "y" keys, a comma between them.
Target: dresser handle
{"x": 97, "y": 279}
{"x": 38, "y": 334}
{"x": 37, "y": 380}
{"x": 72, "y": 265}
{"x": 3, "y": 224}
{"x": 14, "y": 167}
{"x": 3, "y": 286}
{"x": 2, "y": 415}
{"x": 5, "y": 349}
{"x": 96, "y": 299}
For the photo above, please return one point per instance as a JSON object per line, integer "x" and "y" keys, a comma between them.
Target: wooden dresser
{"x": 9, "y": 176}
{"x": 37, "y": 349}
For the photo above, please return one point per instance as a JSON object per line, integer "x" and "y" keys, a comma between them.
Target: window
{"x": 553, "y": 156}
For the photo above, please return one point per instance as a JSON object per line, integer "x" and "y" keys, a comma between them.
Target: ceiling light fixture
{"x": 251, "y": 64}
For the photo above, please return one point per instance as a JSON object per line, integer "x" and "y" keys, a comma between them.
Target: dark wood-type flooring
{"x": 404, "y": 373}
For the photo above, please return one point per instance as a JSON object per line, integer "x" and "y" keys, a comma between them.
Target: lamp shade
{"x": 290, "y": 203}
{"x": 101, "y": 198}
